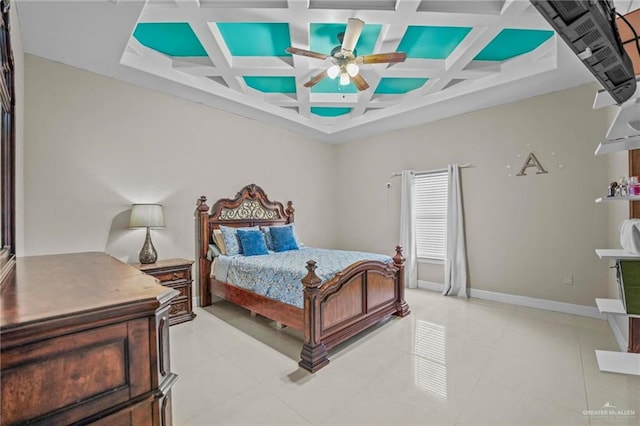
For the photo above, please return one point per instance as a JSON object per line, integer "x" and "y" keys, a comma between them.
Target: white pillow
{"x": 630, "y": 235}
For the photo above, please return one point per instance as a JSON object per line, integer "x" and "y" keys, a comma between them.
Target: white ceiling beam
{"x": 458, "y": 66}
{"x": 389, "y": 40}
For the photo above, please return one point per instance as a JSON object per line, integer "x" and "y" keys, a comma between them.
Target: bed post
{"x": 314, "y": 353}
{"x": 202, "y": 240}
{"x": 401, "y": 305}
{"x": 290, "y": 211}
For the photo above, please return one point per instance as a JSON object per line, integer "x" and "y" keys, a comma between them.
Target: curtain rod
{"x": 426, "y": 172}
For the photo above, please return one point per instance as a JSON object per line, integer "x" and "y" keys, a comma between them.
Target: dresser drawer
{"x": 61, "y": 374}
{"x": 173, "y": 275}
{"x": 179, "y": 306}
{"x": 183, "y": 287}
{"x": 176, "y": 274}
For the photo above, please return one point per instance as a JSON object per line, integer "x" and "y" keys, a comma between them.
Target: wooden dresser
{"x": 176, "y": 274}
{"x": 84, "y": 338}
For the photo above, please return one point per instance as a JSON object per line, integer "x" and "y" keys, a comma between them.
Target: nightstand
{"x": 174, "y": 273}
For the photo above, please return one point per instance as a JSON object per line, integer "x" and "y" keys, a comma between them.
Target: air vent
{"x": 603, "y": 54}
{"x": 585, "y": 27}
{"x": 592, "y": 37}
{"x": 609, "y": 61}
{"x": 569, "y": 9}
{"x": 617, "y": 75}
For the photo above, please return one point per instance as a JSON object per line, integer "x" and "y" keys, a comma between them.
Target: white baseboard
{"x": 618, "y": 333}
{"x": 529, "y": 302}
{"x": 429, "y": 285}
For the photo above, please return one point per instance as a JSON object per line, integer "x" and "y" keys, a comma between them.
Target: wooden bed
{"x": 356, "y": 298}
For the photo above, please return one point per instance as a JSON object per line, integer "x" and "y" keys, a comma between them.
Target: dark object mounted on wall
{"x": 589, "y": 28}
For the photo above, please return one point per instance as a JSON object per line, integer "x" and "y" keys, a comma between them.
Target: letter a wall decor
{"x": 532, "y": 161}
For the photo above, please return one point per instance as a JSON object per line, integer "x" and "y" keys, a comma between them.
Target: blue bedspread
{"x": 278, "y": 275}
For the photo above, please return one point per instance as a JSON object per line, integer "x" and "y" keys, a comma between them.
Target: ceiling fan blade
{"x": 360, "y": 82}
{"x": 352, "y": 34}
{"x": 315, "y": 79}
{"x": 307, "y": 53}
{"x": 382, "y": 58}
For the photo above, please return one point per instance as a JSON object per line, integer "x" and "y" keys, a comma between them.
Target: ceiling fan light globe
{"x": 344, "y": 79}
{"x": 352, "y": 69}
{"x": 333, "y": 71}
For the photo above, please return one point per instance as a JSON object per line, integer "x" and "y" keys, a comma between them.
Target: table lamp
{"x": 147, "y": 216}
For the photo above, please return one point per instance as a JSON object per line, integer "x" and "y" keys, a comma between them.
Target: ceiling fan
{"x": 345, "y": 61}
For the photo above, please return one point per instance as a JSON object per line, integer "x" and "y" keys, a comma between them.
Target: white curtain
{"x": 455, "y": 264}
{"x": 408, "y": 230}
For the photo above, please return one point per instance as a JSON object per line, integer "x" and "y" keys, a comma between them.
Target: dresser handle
{"x": 161, "y": 343}
{"x": 176, "y": 275}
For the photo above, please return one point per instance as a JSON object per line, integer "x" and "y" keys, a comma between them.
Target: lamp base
{"x": 148, "y": 253}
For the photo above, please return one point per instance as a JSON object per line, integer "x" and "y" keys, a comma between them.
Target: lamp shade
{"x": 146, "y": 215}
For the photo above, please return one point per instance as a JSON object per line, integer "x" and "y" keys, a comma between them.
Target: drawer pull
{"x": 161, "y": 331}
{"x": 176, "y": 275}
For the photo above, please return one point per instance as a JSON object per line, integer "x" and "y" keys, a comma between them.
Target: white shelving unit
{"x": 611, "y": 306}
{"x": 615, "y": 254}
{"x": 623, "y": 135}
{"x": 619, "y": 198}
{"x": 619, "y": 362}
{"x": 618, "y": 145}
{"x": 613, "y": 361}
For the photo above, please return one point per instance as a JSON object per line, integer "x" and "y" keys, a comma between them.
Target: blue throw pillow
{"x": 252, "y": 242}
{"x": 283, "y": 238}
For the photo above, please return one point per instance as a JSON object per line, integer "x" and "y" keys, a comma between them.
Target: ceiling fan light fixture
{"x": 344, "y": 79}
{"x": 352, "y": 69}
{"x": 333, "y": 71}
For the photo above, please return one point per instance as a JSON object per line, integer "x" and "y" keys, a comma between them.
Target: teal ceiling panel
{"x": 324, "y": 37}
{"x": 512, "y": 42}
{"x": 328, "y": 85}
{"x": 330, "y": 111}
{"x": 431, "y": 42}
{"x": 170, "y": 38}
{"x": 272, "y": 84}
{"x": 395, "y": 86}
{"x": 255, "y": 38}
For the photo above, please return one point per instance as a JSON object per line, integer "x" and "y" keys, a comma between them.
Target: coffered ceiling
{"x": 230, "y": 54}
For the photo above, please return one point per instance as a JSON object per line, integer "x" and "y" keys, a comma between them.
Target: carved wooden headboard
{"x": 250, "y": 207}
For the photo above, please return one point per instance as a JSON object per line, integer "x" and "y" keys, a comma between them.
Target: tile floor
{"x": 451, "y": 362}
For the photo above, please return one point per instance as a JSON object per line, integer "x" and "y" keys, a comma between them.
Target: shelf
{"x": 618, "y": 145}
{"x": 619, "y": 362}
{"x": 619, "y": 198}
{"x": 615, "y": 254}
{"x": 611, "y": 306}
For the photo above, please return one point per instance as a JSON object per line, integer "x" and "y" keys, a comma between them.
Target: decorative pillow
{"x": 252, "y": 242}
{"x": 283, "y": 238}
{"x": 213, "y": 252}
{"x": 219, "y": 240}
{"x": 231, "y": 240}
{"x": 267, "y": 237}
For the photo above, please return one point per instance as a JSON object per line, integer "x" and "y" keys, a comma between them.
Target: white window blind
{"x": 431, "y": 214}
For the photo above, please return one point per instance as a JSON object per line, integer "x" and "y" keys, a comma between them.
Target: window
{"x": 430, "y": 194}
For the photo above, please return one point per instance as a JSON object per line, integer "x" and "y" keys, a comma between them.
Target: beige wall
{"x": 524, "y": 234}
{"x": 95, "y": 145}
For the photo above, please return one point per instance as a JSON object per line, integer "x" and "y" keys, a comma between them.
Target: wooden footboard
{"x": 352, "y": 301}
{"x": 334, "y": 311}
